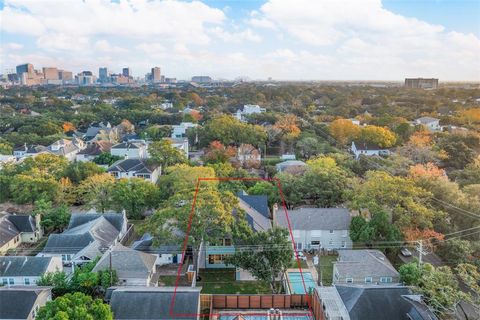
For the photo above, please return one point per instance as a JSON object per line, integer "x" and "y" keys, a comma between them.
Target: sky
{"x": 226, "y": 39}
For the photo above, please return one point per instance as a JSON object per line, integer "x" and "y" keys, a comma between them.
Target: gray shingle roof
{"x": 363, "y": 145}
{"x": 381, "y": 302}
{"x": 24, "y": 223}
{"x": 18, "y": 302}
{"x": 128, "y": 263}
{"x": 11, "y": 266}
{"x": 364, "y": 263}
{"x": 154, "y": 303}
{"x": 8, "y": 231}
{"x": 116, "y": 219}
{"x": 315, "y": 219}
{"x": 257, "y": 202}
{"x": 127, "y": 165}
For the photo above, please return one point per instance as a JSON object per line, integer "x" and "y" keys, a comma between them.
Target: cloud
{"x": 301, "y": 39}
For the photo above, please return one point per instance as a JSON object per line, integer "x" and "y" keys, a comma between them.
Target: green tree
{"x": 164, "y": 154}
{"x": 6, "y": 149}
{"x": 411, "y": 273}
{"x": 456, "y": 251}
{"x": 135, "y": 196}
{"x": 380, "y": 136}
{"x": 75, "y": 306}
{"x": 52, "y": 219}
{"x": 266, "y": 188}
{"x": 96, "y": 191}
{"x": 45, "y": 163}
{"x": 265, "y": 254}
{"x": 34, "y": 185}
{"x": 77, "y": 171}
{"x": 57, "y": 280}
{"x": 106, "y": 158}
{"x": 308, "y": 147}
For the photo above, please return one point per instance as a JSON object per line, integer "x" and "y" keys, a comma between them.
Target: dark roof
{"x": 315, "y": 219}
{"x": 24, "y": 223}
{"x": 116, "y": 219}
{"x": 128, "y": 145}
{"x": 145, "y": 244}
{"x": 18, "y": 302}
{"x": 11, "y": 266}
{"x": 364, "y": 263}
{"x": 380, "y": 302}
{"x": 96, "y": 148}
{"x": 8, "y": 231}
{"x": 257, "y": 202}
{"x": 154, "y": 303}
{"x": 58, "y": 243}
{"x": 127, "y": 165}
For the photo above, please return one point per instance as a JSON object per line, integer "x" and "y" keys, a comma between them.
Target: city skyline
{"x": 314, "y": 40}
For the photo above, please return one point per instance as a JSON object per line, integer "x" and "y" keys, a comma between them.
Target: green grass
{"x": 167, "y": 281}
{"x": 220, "y": 281}
{"x": 303, "y": 264}
{"x": 325, "y": 269}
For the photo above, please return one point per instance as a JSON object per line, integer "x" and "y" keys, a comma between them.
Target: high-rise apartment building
{"x": 65, "y": 75}
{"x": 126, "y": 72}
{"x": 50, "y": 73}
{"x": 85, "y": 78}
{"x": 421, "y": 83}
{"x": 156, "y": 75}
{"x": 103, "y": 74}
{"x": 25, "y": 68}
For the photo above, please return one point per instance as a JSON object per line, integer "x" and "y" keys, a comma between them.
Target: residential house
{"x": 100, "y": 131}
{"x": 257, "y": 216}
{"x": 130, "y": 150}
{"x": 180, "y": 144}
{"x": 292, "y": 166}
{"x": 17, "y": 229}
{"x": 88, "y": 236}
{"x": 317, "y": 228}
{"x": 248, "y": 109}
{"x": 93, "y": 150}
{"x": 26, "y": 270}
{"x": 133, "y": 268}
{"x": 248, "y": 156}
{"x": 432, "y": 124}
{"x": 29, "y": 151}
{"x": 67, "y": 148}
{"x": 359, "y": 148}
{"x": 179, "y": 131}
{"x": 23, "y": 302}
{"x": 155, "y": 303}
{"x": 165, "y": 254}
{"x": 383, "y": 303}
{"x": 135, "y": 168}
{"x": 363, "y": 267}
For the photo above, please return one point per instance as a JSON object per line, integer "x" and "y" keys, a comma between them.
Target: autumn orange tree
{"x": 344, "y": 131}
{"x": 218, "y": 152}
{"x": 287, "y": 125}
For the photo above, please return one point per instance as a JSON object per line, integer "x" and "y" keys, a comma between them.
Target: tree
{"x": 308, "y": 147}
{"x": 456, "y": 251}
{"x": 52, "y": 219}
{"x": 75, "y": 306}
{"x": 266, "y": 188}
{"x": 380, "y": 136}
{"x": 45, "y": 163}
{"x": 34, "y": 185}
{"x": 165, "y": 154}
{"x": 411, "y": 273}
{"x": 470, "y": 275}
{"x": 217, "y": 152}
{"x": 379, "y": 228}
{"x": 57, "y": 280}
{"x": 106, "y": 158}
{"x": 265, "y": 254}
{"x": 96, "y": 191}
{"x": 77, "y": 171}
{"x": 344, "y": 131}
{"x": 6, "y": 149}
{"x": 135, "y": 196}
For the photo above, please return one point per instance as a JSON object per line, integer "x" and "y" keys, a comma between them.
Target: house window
{"x": 368, "y": 280}
{"x": 4, "y": 281}
{"x": 331, "y": 231}
{"x": 349, "y": 280}
{"x": 26, "y": 281}
{"x": 227, "y": 242}
{"x": 11, "y": 281}
{"x": 344, "y": 244}
{"x": 385, "y": 279}
{"x": 315, "y": 243}
{"x": 299, "y": 245}
{"x": 330, "y": 242}
{"x": 216, "y": 258}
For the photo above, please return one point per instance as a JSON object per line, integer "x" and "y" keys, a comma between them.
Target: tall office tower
{"x": 126, "y": 72}
{"x": 103, "y": 74}
{"x": 156, "y": 76}
{"x": 421, "y": 83}
{"x": 50, "y": 73}
{"x": 25, "y": 68}
{"x": 65, "y": 75}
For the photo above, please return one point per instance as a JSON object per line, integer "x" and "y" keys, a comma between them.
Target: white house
{"x": 133, "y": 268}
{"x": 179, "y": 131}
{"x": 317, "y": 228}
{"x": 93, "y": 150}
{"x": 248, "y": 109}
{"x": 368, "y": 149}
{"x": 180, "y": 144}
{"x": 432, "y": 124}
{"x": 26, "y": 270}
{"x": 29, "y": 151}
{"x": 136, "y": 149}
{"x": 134, "y": 168}
{"x": 67, "y": 148}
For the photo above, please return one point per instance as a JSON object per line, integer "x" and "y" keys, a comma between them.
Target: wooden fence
{"x": 259, "y": 301}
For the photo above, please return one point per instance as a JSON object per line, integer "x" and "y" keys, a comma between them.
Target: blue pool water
{"x": 296, "y": 282}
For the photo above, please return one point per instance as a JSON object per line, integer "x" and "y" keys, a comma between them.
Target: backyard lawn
{"x": 218, "y": 281}
{"x": 303, "y": 264}
{"x": 325, "y": 269}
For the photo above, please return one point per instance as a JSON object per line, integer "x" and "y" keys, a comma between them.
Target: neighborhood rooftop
{"x": 315, "y": 218}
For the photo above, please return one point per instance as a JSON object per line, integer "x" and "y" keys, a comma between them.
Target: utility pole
{"x": 420, "y": 251}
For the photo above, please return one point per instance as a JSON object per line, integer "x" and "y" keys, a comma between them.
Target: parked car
{"x": 405, "y": 252}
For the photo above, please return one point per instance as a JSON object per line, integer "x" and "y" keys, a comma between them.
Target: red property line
{"x": 172, "y": 304}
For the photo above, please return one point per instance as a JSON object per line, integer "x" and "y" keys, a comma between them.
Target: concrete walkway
{"x": 312, "y": 269}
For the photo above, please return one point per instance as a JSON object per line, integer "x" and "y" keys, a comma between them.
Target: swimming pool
{"x": 296, "y": 283}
